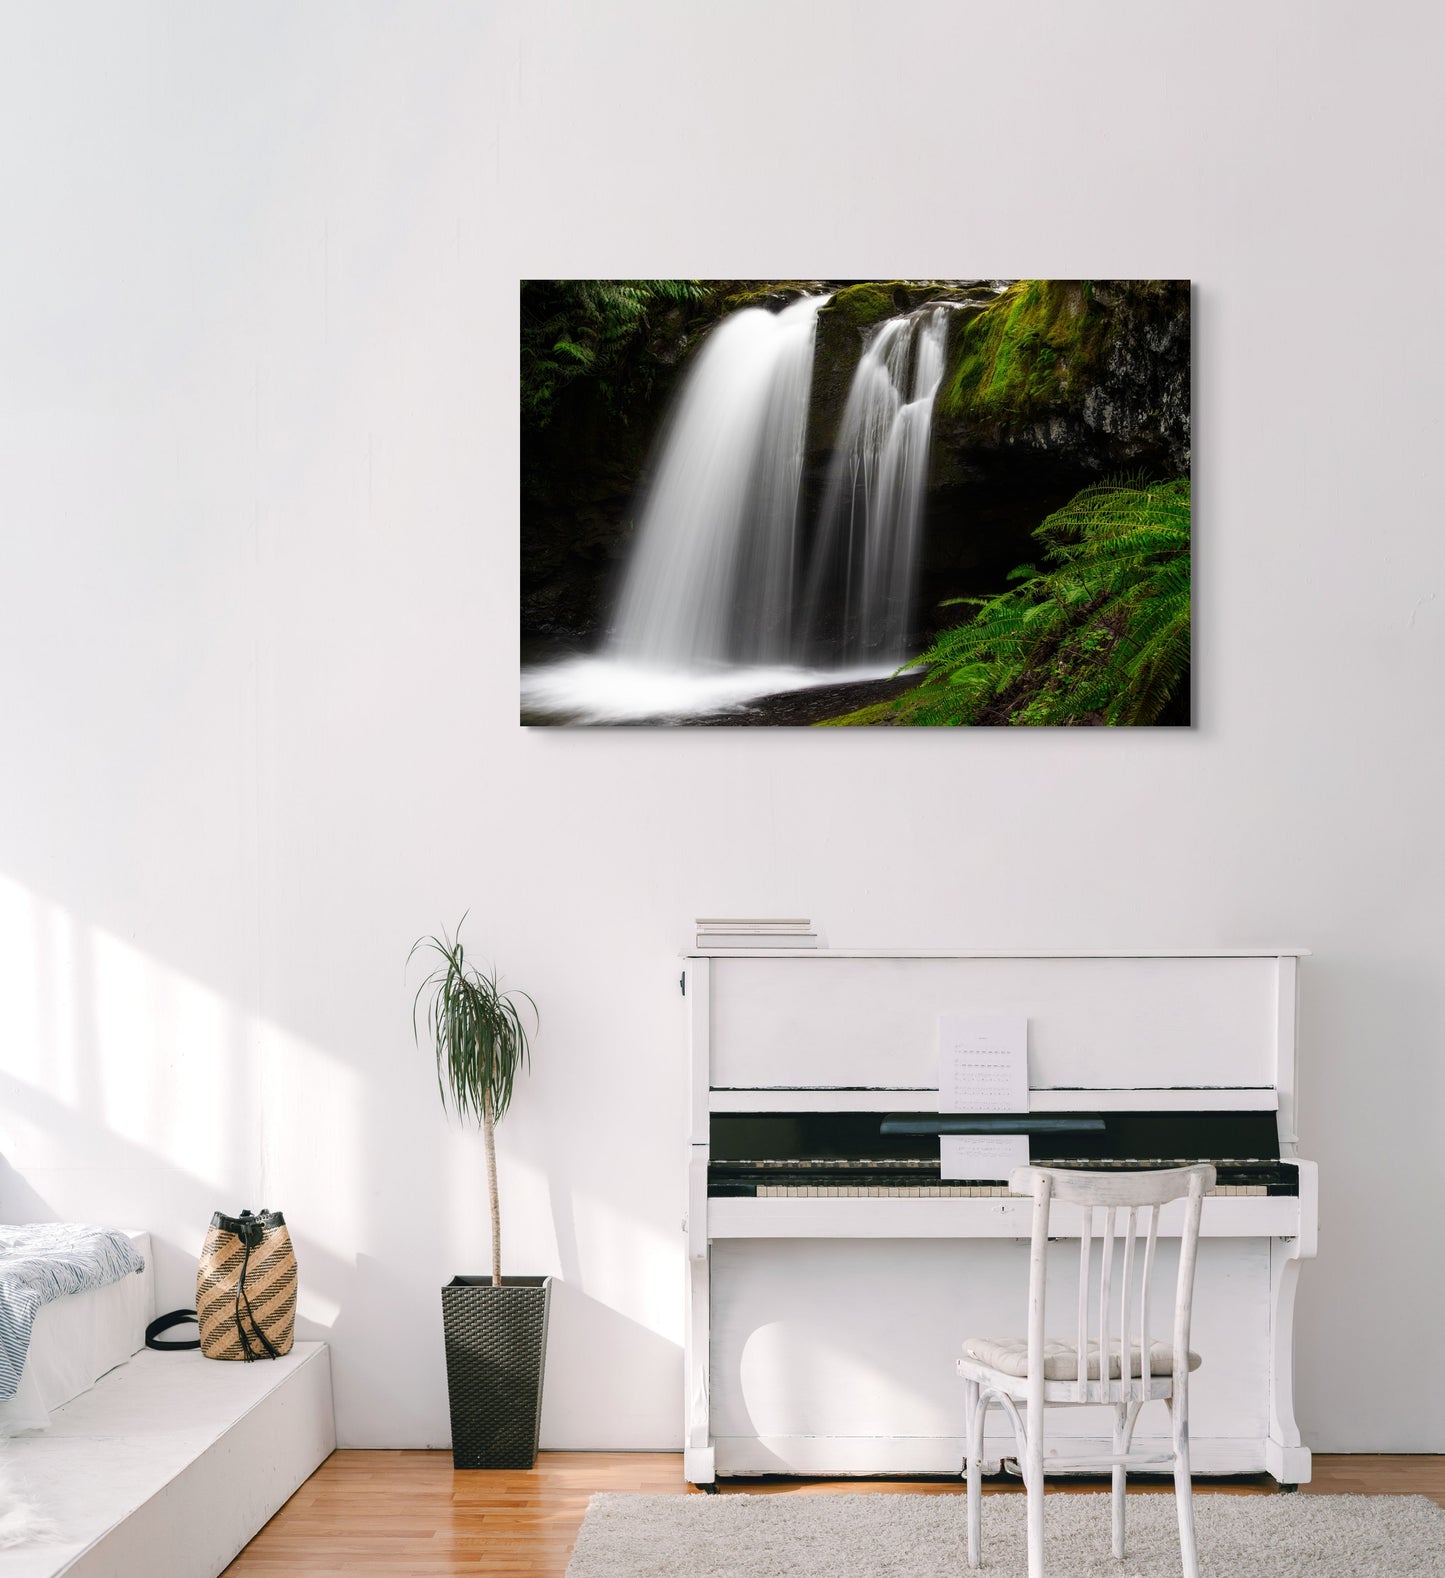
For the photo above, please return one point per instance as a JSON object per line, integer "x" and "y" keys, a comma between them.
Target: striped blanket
{"x": 41, "y": 1261}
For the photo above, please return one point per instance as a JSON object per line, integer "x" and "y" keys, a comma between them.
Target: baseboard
{"x": 943, "y": 1455}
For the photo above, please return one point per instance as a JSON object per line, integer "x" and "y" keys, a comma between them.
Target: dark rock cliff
{"x": 1058, "y": 383}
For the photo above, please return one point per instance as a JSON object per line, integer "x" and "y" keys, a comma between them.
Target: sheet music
{"x": 983, "y": 1063}
{"x": 983, "y": 1156}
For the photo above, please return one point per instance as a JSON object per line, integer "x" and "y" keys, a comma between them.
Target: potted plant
{"x": 495, "y": 1327}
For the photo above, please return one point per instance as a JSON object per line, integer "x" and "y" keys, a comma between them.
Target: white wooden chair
{"x": 1041, "y": 1373}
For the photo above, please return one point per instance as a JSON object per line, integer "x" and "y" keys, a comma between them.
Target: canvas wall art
{"x": 877, "y": 503}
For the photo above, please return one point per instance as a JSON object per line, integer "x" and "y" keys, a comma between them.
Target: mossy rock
{"x": 1031, "y": 353}
{"x": 1096, "y": 370}
{"x": 772, "y": 294}
{"x": 861, "y": 306}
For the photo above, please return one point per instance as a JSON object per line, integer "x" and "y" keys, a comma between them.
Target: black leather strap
{"x": 250, "y": 1225}
{"x": 164, "y": 1323}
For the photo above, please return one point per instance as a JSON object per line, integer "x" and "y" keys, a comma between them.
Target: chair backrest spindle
{"x": 1086, "y": 1245}
{"x": 1125, "y": 1388}
{"x": 1146, "y": 1335}
{"x": 1106, "y": 1292}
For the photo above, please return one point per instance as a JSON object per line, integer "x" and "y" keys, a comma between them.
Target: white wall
{"x": 258, "y": 631}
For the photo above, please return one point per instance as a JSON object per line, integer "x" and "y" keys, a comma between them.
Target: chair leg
{"x": 1121, "y": 1421}
{"x": 1034, "y": 1490}
{"x": 1184, "y": 1487}
{"x": 974, "y": 1412}
{"x": 1126, "y": 1416}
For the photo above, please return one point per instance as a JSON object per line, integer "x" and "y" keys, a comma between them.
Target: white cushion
{"x": 1010, "y": 1356}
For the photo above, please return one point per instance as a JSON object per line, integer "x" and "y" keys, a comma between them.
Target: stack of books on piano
{"x": 731, "y": 933}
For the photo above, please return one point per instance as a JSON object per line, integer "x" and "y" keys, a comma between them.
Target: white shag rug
{"x": 911, "y": 1536}
{"x": 20, "y": 1523}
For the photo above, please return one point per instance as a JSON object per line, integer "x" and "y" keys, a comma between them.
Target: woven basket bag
{"x": 246, "y": 1287}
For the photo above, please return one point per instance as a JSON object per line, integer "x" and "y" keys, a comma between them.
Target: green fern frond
{"x": 1099, "y": 634}
{"x": 590, "y": 328}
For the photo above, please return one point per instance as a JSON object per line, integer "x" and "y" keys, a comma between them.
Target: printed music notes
{"x": 983, "y": 1063}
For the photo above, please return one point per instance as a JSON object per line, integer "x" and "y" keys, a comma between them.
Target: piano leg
{"x": 699, "y": 1467}
{"x": 1285, "y": 1458}
{"x": 698, "y": 1457}
{"x": 1284, "y": 1455}
{"x": 699, "y": 1461}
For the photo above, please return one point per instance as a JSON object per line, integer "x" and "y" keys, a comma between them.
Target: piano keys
{"x": 832, "y": 1270}
{"x": 976, "y": 1190}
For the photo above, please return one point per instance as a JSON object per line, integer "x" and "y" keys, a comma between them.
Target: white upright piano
{"x": 832, "y": 1275}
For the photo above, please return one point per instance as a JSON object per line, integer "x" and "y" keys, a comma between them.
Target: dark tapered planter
{"x": 496, "y": 1347}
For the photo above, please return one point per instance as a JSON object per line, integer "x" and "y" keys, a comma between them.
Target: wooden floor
{"x": 410, "y": 1513}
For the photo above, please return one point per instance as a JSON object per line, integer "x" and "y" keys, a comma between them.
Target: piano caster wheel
{"x": 708, "y": 1490}
{"x": 1288, "y": 1490}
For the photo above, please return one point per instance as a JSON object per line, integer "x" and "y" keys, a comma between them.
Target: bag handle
{"x": 164, "y": 1323}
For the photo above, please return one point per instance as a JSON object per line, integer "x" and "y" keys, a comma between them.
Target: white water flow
{"x": 715, "y": 610}
{"x": 711, "y": 576}
{"x": 864, "y": 562}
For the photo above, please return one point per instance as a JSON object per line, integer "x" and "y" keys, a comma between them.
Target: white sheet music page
{"x": 982, "y": 1157}
{"x": 983, "y": 1063}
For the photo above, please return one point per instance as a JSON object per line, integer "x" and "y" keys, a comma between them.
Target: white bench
{"x": 169, "y": 1464}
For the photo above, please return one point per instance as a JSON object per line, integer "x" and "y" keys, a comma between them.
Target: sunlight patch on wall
{"x": 114, "y": 1046}
{"x": 38, "y": 1023}
{"x": 170, "y": 1061}
{"x": 115, "y": 1066}
{"x": 315, "y": 1105}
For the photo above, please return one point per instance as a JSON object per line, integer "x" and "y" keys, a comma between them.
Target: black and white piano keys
{"x": 822, "y": 1326}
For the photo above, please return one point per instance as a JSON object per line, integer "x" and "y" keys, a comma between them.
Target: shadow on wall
{"x": 18, "y": 1201}
{"x": 129, "y": 1089}
{"x": 589, "y": 1344}
{"x": 113, "y": 1194}
{"x": 129, "y": 1096}
{"x": 132, "y": 1095}
{"x": 382, "y": 1313}
{"x": 585, "y": 1335}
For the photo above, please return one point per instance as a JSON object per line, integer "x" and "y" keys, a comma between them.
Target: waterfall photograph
{"x": 855, "y": 503}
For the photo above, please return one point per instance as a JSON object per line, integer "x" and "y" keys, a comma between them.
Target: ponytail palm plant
{"x": 480, "y": 1042}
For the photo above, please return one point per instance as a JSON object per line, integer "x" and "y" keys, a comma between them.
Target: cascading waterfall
{"x": 711, "y": 577}
{"x": 727, "y": 596}
{"x": 861, "y": 581}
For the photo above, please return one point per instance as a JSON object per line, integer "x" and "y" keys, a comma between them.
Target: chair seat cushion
{"x": 1010, "y": 1356}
